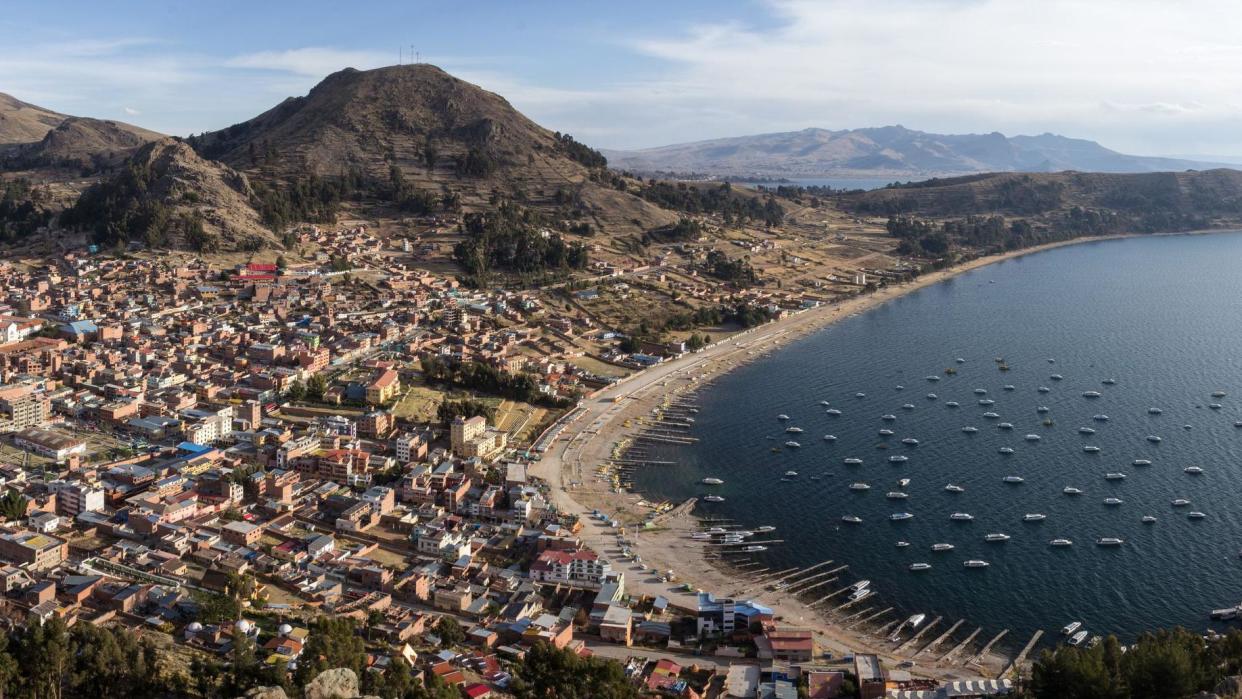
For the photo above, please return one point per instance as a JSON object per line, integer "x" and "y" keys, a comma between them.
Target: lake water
{"x": 1160, "y": 315}
{"x": 834, "y": 182}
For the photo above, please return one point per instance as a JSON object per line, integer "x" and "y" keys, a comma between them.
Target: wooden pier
{"x": 1020, "y": 657}
{"x": 872, "y": 617}
{"x": 983, "y": 653}
{"x": 961, "y": 646}
{"x": 917, "y": 635}
{"x": 940, "y": 639}
{"x": 853, "y": 602}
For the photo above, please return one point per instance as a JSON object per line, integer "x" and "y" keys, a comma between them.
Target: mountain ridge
{"x": 886, "y": 151}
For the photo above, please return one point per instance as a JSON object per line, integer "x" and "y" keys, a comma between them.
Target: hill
{"x": 22, "y": 123}
{"x": 165, "y": 195}
{"x": 890, "y": 151}
{"x": 83, "y": 143}
{"x": 444, "y": 138}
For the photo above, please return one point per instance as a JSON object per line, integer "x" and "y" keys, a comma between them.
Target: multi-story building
{"x": 384, "y": 387}
{"x": 54, "y": 445}
{"x": 411, "y": 446}
{"x": 581, "y": 568}
{"x": 75, "y": 497}
{"x": 295, "y": 448}
{"x": 35, "y": 551}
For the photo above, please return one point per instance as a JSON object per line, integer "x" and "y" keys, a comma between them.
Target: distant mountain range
{"x": 889, "y": 151}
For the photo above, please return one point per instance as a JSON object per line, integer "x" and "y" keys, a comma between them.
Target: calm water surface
{"x": 1159, "y": 315}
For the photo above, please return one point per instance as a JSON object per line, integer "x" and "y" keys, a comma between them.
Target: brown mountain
{"x": 166, "y": 195}
{"x": 22, "y": 123}
{"x": 82, "y": 142}
{"x": 445, "y": 135}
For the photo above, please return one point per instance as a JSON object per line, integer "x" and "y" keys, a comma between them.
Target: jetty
{"x": 961, "y": 646}
{"x": 873, "y": 617}
{"x": 940, "y": 639}
{"x": 917, "y": 635}
{"x": 1016, "y": 664}
{"x": 983, "y": 653}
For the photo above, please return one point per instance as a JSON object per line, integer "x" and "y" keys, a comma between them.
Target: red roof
{"x": 255, "y": 267}
{"x": 476, "y": 690}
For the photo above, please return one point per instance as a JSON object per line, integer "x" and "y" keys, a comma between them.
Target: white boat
{"x": 898, "y": 458}
{"x": 716, "y": 530}
{"x": 1071, "y": 490}
{"x": 860, "y": 394}
{"x": 898, "y": 516}
{"x": 1034, "y": 517}
{"x": 1100, "y": 418}
{"x": 860, "y": 594}
{"x": 860, "y": 585}
{"x": 886, "y": 433}
{"x": 991, "y": 416}
{"x": 1071, "y": 628}
{"x": 1215, "y": 406}
{"x": 1180, "y": 502}
{"x": 889, "y": 418}
{"x": 903, "y": 482}
{"x": 910, "y": 441}
{"x": 933, "y": 378}
{"x": 713, "y": 498}
{"x": 1154, "y": 411}
{"x": 1109, "y": 382}
{"x": 975, "y": 563}
{"x": 1218, "y": 394}
{"x": 859, "y": 486}
{"x": 970, "y": 430}
{"x": 852, "y": 461}
{"x": 899, "y": 387}
{"x": 960, "y": 360}
{"x": 1042, "y": 409}
{"x": 961, "y": 516}
{"x": 792, "y": 444}
{"x": 920, "y": 566}
{"x": 932, "y": 396}
{"x": 1195, "y": 515}
{"x": 832, "y": 411}
{"x": 1056, "y": 377}
{"x": 954, "y": 488}
{"x": 701, "y": 536}
{"x": 1013, "y": 479}
{"x": 1005, "y": 450}
{"x": 830, "y": 438}
{"x": 1077, "y": 638}
{"x": 851, "y": 519}
{"x": 791, "y": 474}
{"x": 1091, "y": 449}
{"x": 1085, "y": 430}
{"x": 782, "y": 416}
{"x": 1141, "y": 462}
{"x": 1109, "y": 541}
{"x": 981, "y": 391}
{"x": 1114, "y": 476}
{"x": 1044, "y": 389}
{"x": 765, "y": 529}
{"x": 825, "y": 403}
{"x": 942, "y": 547}
{"x": 1193, "y": 470}
{"x": 1004, "y": 425}
{"x": 896, "y": 495}
{"x": 754, "y": 548}
{"x": 986, "y": 401}
{"x": 1148, "y": 519}
{"x": 1060, "y": 542}
{"x": 712, "y": 481}
{"x": 1091, "y": 394}
{"x": 902, "y": 544}
{"x": 996, "y": 537}
{"x": 1153, "y": 439}
{"x": 1032, "y": 438}
{"x": 794, "y": 430}
{"x": 952, "y": 404}
{"x": 1009, "y": 387}
{"x": 1113, "y": 501}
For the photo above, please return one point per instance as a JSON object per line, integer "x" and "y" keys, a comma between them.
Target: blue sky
{"x": 1142, "y": 76}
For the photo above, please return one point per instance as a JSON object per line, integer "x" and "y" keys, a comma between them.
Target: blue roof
{"x": 82, "y": 327}
{"x": 194, "y": 448}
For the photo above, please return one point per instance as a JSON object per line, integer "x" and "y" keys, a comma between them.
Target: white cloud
{"x": 1110, "y": 69}
{"x": 131, "y": 111}
{"x": 311, "y": 61}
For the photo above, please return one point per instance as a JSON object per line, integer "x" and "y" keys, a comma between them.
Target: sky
{"x": 1142, "y": 76}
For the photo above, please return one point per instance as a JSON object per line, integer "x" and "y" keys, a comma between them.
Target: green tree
{"x": 549, "y": 672}
{"x": 12, "y": 505}
{"x": 449, "y": 631}
{"x": 296, "y": 391}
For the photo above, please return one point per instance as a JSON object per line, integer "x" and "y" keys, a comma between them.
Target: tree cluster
{"x": 723, "y": 199}
{"x": 486, "y": 378}
{"x": 509, "y": 239}
{"x": 735, "y": 271}
{"x": 581, "y": 153}
{"x": 22, "y": 209}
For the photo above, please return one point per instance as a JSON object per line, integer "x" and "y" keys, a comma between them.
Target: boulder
{"x": 339, "y": 683}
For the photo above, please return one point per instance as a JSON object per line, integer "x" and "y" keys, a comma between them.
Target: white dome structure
{"x": 285, "y": 629}
{"x": 194, "y": 627}
{"x": 243, "y": 626}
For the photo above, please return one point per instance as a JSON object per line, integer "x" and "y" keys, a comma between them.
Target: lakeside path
{"x": 590, "y": 432}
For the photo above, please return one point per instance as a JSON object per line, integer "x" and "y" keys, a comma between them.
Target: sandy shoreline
{"x": 569, "y": 466}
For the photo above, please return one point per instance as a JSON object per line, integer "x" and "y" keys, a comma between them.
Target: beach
{"x": 604, "y": 419}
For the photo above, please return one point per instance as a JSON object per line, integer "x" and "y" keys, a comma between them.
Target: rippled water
{"x": 1159, "y": 315}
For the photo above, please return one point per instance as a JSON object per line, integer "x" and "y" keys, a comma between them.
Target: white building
{"x": 73, "y": 498}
